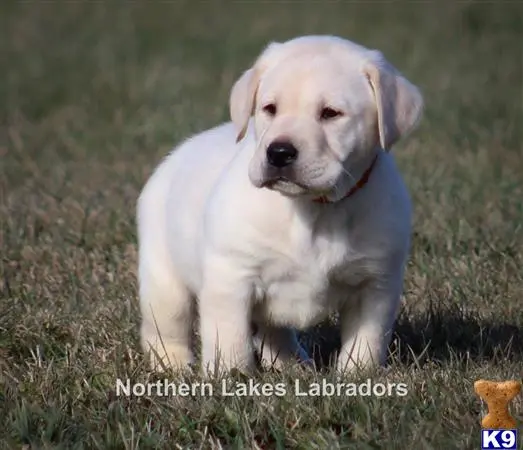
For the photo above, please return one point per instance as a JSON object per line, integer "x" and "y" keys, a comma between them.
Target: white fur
{"x": 219, "y": 231}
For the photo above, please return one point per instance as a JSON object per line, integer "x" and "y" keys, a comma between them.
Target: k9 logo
{"x": 499, "y": 439}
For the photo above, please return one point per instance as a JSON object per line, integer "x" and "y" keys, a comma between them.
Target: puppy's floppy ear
{"x": 399, "y": 102}
{"x": 243, "y": 93}
{"x": 241, "y": 102}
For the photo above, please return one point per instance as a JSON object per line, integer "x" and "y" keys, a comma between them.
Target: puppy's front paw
{"x": 167, "y": 356}
{"x": 349, "y": 364}
{"x": 218, "y": 365}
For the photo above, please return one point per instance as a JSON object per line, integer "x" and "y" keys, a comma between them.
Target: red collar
{"x": 361, "y": 182}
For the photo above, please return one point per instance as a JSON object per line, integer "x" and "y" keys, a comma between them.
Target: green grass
{"x": 94, "y": 94}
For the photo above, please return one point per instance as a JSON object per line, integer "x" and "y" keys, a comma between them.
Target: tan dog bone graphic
{"x": 497, "y": 396}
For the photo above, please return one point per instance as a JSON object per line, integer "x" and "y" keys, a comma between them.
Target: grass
{"x": 94, "y": 94}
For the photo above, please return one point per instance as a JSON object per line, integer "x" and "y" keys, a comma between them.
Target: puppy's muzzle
{"x": 281, "y": 154}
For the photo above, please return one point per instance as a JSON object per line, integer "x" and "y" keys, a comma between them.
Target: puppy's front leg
{"x": 366, "y": 325}
{"x": 225, "y": 320}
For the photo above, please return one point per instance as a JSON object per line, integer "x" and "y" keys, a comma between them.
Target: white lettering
{"x": 379, "y": 389}
{"x": 138, "y": 389}
{"x": 364, "y": 389}
{"x": 225, "y": 391}
{"x": 509, "y": 439}
{"x": 297, "y": 391}
{"x": 402, "y": 389}
{"x": 490, "y": 438}
{"x": 351, "y": 389}
{"x": 126, "y": 388}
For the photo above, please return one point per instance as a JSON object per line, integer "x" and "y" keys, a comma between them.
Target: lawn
{"x": 93, "y": 95}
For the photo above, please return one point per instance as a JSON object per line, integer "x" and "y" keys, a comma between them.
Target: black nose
{"x": 281, "y": 154}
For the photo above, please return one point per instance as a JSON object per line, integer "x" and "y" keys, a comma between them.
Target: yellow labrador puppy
{"x": 291, "y": 212}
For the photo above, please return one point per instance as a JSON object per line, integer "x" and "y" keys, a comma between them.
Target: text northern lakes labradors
{"x": 252, "y": 388}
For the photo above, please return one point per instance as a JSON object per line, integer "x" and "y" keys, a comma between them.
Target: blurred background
{"x": 97, "y": 92}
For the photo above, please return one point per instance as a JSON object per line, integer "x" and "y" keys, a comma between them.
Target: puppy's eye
{"x": 270, "y": 109}
{"x": 329, "y": 113}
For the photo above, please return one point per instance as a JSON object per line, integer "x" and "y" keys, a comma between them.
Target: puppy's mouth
{"x": 270, "y": 183}
{"x": 292, "y": 188}
{"x": 289, "y": 183}
{"x": 285, "y": 186}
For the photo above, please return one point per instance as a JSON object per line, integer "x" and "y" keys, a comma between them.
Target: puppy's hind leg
{"x": 165, "y": 301}
{"x": 167, "y": 317}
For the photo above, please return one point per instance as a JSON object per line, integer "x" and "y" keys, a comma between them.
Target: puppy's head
{"x": 321, "y": 105}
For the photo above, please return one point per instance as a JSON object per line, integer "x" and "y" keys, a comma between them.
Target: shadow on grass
{"x": 437, "y": 336}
